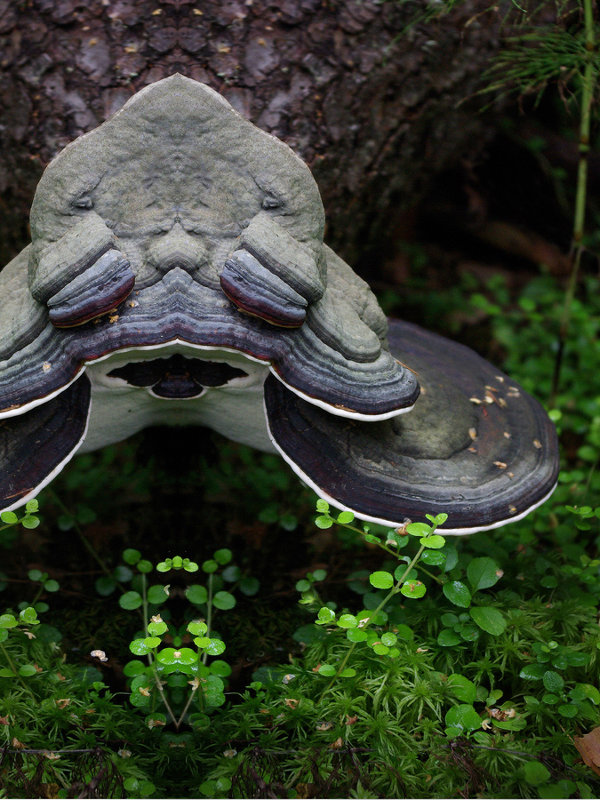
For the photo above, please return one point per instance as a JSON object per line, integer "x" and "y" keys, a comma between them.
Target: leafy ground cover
{"x": 217, "y": 631}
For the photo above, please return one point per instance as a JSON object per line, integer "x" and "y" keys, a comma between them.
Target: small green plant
{"x": 365, "y": 625}
{"x": 159, "y": 685}
{"x": 10, "y": 522}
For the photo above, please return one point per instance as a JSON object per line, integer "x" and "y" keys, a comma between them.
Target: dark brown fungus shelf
{"x": 475, "y": 445}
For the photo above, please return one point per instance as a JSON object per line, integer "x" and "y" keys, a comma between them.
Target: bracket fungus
{"x": 177, "y": 275}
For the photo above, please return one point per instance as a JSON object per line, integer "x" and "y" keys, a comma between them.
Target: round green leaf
{"x": 463, "y": 716}
{"x": 535, "y": 773}
{"x": 210, "y": 566}
{"x": 51, "y": 586}
{"x": 157, "y": 628}
{"x": 196, "y": 594}
{"x": 30, "y": 522}
{"x": 348, "y": 672}
{"x": 139, "y": 647}
{"x": 35, "y": 574}
{"x": 345, "y": 517}
{"x": 553, "y": 682}
{"x": 122, "y": 574}
{"x": 324, "y": 521}
{"x": 231, "y": 574}
{"x": 322, "y": 506}
{"x": 223, "y": 556}
{"x": 131, "y": 556}
{"x": 152, "y": 641}
{"x": 418, "y": 529}
{"x": 413, "y": 589}
{"x": 9, "y": 517}
{"x": 157, "y": 594}
{"x": 224, "y": 601}
{"x": 381, "y": 580}
{"x": 249, "y": 586}
{"x": 8, "y": 621}
{"x": 380, "y": 649}
{"x": 144, "y": 566}
{"x": 568, "y": 710}
{"x": 550, "y": 699}
{"x": 462, "y": 688}
{"x": 29, "y": 615}
{"x": 325, "y": 616}
{"x": 449, "y": 620}
{"x": 532, "y": 672}
{"x": 27, "y": 670}
{"x": 356, "y": 635}
{"x": 468, "y": 632}
{"x": 328, "y": 670}
{"x": 488, "y": 619}
{"x": 216, "y": 647}
{"x": 166, "y": 656}
{"x": 105, "y": 585}
{"x": 433, "y": 558}
{"x": 220, "y": 668}
{"x": 197, "y": 628}
{"x": 457, "y": 593}
{"x": 448, "y": 638}
{"x": 388, "y": 639}
{"x": 130, "y": 600}
{"x": 481, "y": 573}
{"x": 139, "y": 700}
{"x": 133, "y": 668}
{"x": 433, "y": 542}
{"x": 347, "y": 621}
{"x": 185, "y": 655}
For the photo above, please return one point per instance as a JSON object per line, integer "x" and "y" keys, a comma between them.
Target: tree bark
{"x": 373, "y": 95}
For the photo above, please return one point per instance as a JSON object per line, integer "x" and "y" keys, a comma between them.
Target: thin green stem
{"x": 151, "y": 660}
{"x": 185, "y": 708}
{"x": 163, "y": 696}
{"x": 394, "y": 590}
{"x": 588, "y": 81}
{"x": 81, "y": 535}
{"x": 387, "y": 549}
{"x": 209, "y": 613}
{"x": 13, "y": 667}
{"x": 37, "y": 596}
{"x": 145, "y": 602}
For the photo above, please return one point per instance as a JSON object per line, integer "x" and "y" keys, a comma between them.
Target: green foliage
{"x": 465, "y": 670}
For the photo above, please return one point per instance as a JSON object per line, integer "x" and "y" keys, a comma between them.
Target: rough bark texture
{"x": 369, "y": 93}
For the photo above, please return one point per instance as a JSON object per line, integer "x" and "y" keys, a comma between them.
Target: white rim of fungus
{"x": 342, "y": 412}
{"x": 330, "y": 408}
{"x": 15, "y": 412}
{"x": 57, "y": 469}
{"x": 389, "y": 523}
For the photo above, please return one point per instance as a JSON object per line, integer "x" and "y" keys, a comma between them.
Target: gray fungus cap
{"x": 177, "y": 274}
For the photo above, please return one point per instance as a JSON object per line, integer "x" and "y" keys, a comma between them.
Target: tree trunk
{"x": 371, "y": 94}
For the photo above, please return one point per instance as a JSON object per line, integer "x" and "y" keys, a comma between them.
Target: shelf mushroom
{"x": 177, "y": 274}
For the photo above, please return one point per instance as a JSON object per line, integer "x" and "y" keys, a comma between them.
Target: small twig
{"x": 577, "y": 247}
